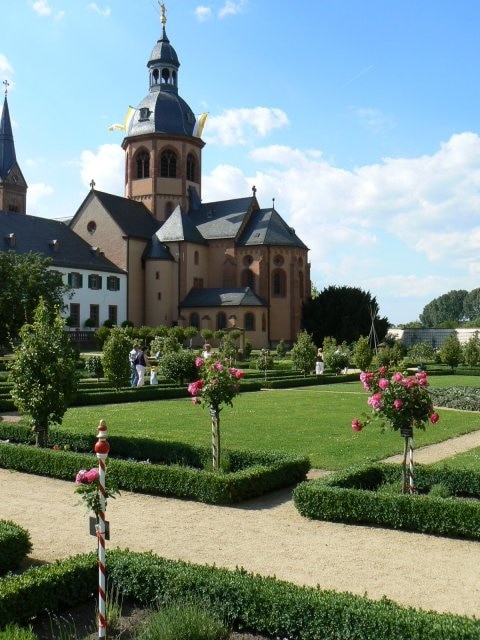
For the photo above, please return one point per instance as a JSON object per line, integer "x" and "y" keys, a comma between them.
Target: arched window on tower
{"x": 279, "y": 283}
{"x": 155, "y": 75}
{"x": 247, "y": 279}
{"x": 165, "y": 76}
{"x": 168, "y": 164}
{"x": 143, "y": 165}
{"x": 191, "y": 167}
{"x": 301, "y": 284}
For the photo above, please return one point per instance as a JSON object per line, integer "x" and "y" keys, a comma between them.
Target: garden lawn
{"x": 469, "y": 460}
{"x": 314, "y": 422}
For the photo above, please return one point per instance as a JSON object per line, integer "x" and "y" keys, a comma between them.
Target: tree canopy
{"x": 447, "y": 309}
{"x": 25, "y": 279}
{"x": 344, "y": 313}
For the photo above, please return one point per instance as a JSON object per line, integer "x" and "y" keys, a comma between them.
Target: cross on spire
{"x": 92, "y": 184}
{"x": 254, "y": 190}
{"x": 7, "y": 84}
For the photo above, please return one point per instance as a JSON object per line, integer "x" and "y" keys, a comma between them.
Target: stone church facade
{"x": 217, "y": 265}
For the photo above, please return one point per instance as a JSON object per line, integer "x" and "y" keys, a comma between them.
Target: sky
{"x": 358, "y": 119}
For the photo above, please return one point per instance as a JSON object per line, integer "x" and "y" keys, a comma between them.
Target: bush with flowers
{"x": 218, "y": 384}
{"x": 401, "y": 401}
{"x": 398, "y": 400}
{"x": 88, "y": 488}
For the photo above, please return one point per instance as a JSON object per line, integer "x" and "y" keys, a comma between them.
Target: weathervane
{"x": 7, "y": 84}
{"x": 164, "y": 13}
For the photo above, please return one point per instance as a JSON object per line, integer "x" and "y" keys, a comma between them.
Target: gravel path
{"x": 265, "y": 535}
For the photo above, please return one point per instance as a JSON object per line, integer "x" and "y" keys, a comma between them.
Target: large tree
{"x": 24, "y": 280}
{"x": 344, "y": 313}
{"x": 471, "y": 304}
{"x": 444, "y": 310}
{"x": 43, "y": 371}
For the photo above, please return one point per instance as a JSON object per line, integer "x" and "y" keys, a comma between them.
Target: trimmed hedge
{"x": 15, "y": 545}
{"x": 350, "y": 496}
{"x": 155, "y": 467}
{"x": 248, "y": 602}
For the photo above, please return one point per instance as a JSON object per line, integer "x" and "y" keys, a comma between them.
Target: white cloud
{"x": 414, "y": 223}
{"x": 93, "y": 6}
{"x": 6, "y": 68}
{"x": 240, "y": 126}
{"x": 42, "y": 7}
{"x": 105, "y": 167}
{"x": 203, "y": 13}
{"x": 374, "y": 120}
{"x": 38, "y": 192}
{"x": 232, "y": 8}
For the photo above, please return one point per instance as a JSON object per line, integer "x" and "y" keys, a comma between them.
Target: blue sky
{"x": 361, "y": 118}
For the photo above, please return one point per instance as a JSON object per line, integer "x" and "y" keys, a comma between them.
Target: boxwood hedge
{"x": 15, "y": 545}
{"x": 248, "y": 602}
{"x": 154, "y": 467}
{"x": 351, "y": 496}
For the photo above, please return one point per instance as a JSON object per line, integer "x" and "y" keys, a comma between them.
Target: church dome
{"x": 162, "y": 110}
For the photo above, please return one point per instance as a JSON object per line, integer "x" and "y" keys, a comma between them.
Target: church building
{"x": 173, "y": 258}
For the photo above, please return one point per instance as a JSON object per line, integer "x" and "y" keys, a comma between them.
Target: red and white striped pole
{"x": 101, "y": 449}
{"x": 411, "y": 478}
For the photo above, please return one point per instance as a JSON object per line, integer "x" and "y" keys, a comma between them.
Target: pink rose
{"x": 397, "y": 377}
{"x": 239, "y": 374}
{"x": 357, "y": 425}
{"x": 80, "y": 477}
{"x": 383, "y": 383}
{"x": 217, "y": 366}
{"x": 382, "y": 370}
{"x": 92, "y": 476}
{"x": 375, "y": 401}
{"x": 397, "y": 404}
{"x": 434, "y": 418}
{"x": 199, "y": 362}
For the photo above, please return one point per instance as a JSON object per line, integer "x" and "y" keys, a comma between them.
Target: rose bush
{"x": 397, "y": 400}
{"x": 218, "y": 383}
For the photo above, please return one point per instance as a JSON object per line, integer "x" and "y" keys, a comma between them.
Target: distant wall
{"x": 433, "y": 337}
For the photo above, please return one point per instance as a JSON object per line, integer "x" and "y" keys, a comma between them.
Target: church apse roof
{"x": 222, "y": 219}
{"x": 267, "y": 227}
{"x": 217, "y": 297}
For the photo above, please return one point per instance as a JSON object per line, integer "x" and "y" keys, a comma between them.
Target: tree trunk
{"x": 41, "y": 436}
{"x": 215, "y": 414}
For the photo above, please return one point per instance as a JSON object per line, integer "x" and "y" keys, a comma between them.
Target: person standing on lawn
{"x": 141, "y": 364}
{"x": 132, "y": 356}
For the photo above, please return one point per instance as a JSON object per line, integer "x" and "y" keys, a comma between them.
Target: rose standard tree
{"x": 218, "y": 384}
{"x": 402, "y": 402}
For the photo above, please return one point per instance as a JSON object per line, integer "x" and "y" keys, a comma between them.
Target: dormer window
{"x": 55, "y": 245}
{"x": 144, "y": 113}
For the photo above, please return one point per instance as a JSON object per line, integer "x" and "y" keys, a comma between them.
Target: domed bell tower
{"x": 163, "y": 156}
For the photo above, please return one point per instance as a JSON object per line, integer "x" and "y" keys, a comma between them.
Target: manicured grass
{"x": 314, "y": 422}
{"x": 468, "y": 460}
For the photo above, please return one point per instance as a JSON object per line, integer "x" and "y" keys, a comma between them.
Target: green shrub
{"x": 261, "y": 605}
{"x": 15, "y": 545}
{"x": 173, "y": 469}
{"x": 352, "y": 496}
{"x": 14, "y": 632}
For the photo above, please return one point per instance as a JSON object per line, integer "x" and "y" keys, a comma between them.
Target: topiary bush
{"x": 15, "y": 545}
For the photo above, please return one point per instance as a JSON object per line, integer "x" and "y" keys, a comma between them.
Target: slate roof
{"x": 133, "y": 218}
{"x": 222, "y": 219}
{"x": 7, "y": 146}
{"x": 37, "y": 235}
{"x": 267, "y": 227}
{"x": 179, "y": 227}
{"x": 237, "y": 297}
{"x": 156, "y": 250}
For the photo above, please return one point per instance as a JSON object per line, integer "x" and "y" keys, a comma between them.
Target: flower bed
{"x": 353, "y": 497}
{"x": 247, "y": 602}
{"x": 155, "y": 467}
